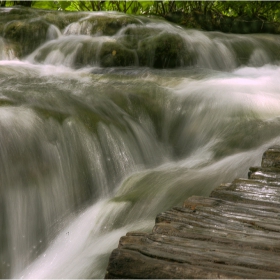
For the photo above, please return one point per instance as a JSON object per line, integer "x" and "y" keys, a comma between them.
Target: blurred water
{"x": 88, "y": 153}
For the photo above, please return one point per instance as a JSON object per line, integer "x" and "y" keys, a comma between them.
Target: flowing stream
{"x": 102, "y": 130}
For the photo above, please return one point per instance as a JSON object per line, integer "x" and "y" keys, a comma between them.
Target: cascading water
{"x": 108, "y": 119}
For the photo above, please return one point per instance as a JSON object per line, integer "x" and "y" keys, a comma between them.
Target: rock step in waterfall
{"x": 234, "y": 233}
{"x": 99, "y": 39}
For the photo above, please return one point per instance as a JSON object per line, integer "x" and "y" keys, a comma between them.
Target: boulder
{"x": 166, "y": 50}
{"x": 114, "y": 54}
{"x": 25, "y": 35}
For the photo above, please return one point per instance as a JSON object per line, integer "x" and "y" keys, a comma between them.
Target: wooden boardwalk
{"x": 234, "y": 233}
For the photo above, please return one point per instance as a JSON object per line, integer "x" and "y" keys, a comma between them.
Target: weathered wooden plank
{"x": 234, "y": 233}
{"x": 197, "y": 202}
{"x": 271, "y": 157}
{"x": 219, "y": 220}
{"x": 266, "y": 195}
{"x": 131, "y": 264}
{"x": 268, "y": 177}
{"x": 241, "y": 240}
{"x": 198, "y": 252}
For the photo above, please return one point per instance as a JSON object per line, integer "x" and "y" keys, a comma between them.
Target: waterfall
{"x": 108, "y": 119}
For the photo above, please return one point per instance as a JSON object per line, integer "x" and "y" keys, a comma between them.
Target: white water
{"x": 89, "y": 154}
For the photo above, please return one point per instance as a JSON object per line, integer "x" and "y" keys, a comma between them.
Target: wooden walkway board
{"x": 234, "y": 233}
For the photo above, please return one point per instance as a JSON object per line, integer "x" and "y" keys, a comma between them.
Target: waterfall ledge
{"x": 234, "y": 233}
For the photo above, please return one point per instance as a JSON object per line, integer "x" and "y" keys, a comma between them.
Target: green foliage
{"x": 268, "y": 10}
{"x": 47, "y": 5}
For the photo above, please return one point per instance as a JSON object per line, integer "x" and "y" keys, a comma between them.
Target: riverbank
{"x": 217, "y": 22}
{"x": 234, "y": 233}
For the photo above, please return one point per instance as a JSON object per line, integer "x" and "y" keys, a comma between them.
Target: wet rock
{"x": 114, "y": 54}
{"x": 62, "y": 20}
{"x": 234, "y": 233}
{"x": 166, "y": 50}
{"x": 100, "y": 25}
{"x": 87, "y": 54}
{"x": 132, "y": 35}
{"x": 16, "y": 13}
{"x": 6, "y": 50}
{"x": 71, "y": 53}
{"x": 156, "y": 48}
{"x": 25, "y": 35}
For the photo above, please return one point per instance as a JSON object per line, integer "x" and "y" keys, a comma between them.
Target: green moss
{"x": 89, "y": 118}
{"x": 6, "y": 102}
{"x": 27, "y": 36}
{"x": 87, "y": 55}
{"x": 114, "y": 54}
{"x": 22, "y": 11}
{"x": 137, "y": 188}
{"x": 61, "y": 20}
{"x": 54, "y": 19}
{"x": 243, "y": 50}
{"x": 14, "y": 14}
{"x": 167, "y": 50}
{"x": 47, "y": 113}
{"x": 106, "y": 25}
{"x": 245, "y": 134}
{"x": 135, "y": 34}
{"x": 2, "y": 25}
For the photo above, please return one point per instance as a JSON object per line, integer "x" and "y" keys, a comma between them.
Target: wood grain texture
{"x": 234, "y": 233}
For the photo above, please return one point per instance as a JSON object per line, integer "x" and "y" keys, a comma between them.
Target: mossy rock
{"x": 2, "y": 25}
{"x": 104, "y": 25}
{"x": 8, "y": 50}
{"x": 167, "y": 50}
{"x": 114, "y": 54}
{"x": 16, "y": 12}
{"x": 9, "y": 14}
{"x": 87, "y": 55}
{"x": 55, "y": 19}
{"x": 243, "y": 50}
{"x": 89, "y": 52}
{"x": 83, "y": 52}
{"x": 134, "y": 34}
{"x": 19, "y": 10}
{"x": 27, "y": 35}
{"x": 61, "y": 20}
{"x": 43, "y": 52}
